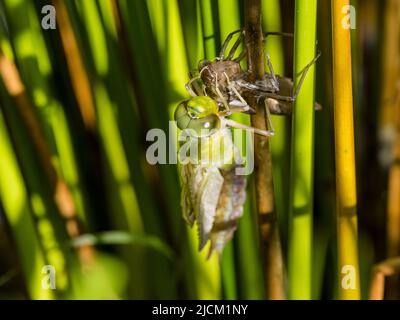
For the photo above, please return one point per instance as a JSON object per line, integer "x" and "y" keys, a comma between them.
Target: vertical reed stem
{"x": 302, "y": 157}
{"x": 62, "y": 194}
{"x": 270, "y": 242}
{"x": 346, "y": 201}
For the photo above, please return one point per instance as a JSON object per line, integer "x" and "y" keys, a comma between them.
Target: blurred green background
{"x": 75, "y": 106}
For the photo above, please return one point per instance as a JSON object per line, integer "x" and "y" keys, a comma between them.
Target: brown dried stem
{"x": 268, "y": 227}
{"x": 387, "y": 268}
{"x": 79, "y": 77}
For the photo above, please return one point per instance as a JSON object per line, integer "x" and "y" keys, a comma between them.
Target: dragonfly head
{"x": 199, "y": 114}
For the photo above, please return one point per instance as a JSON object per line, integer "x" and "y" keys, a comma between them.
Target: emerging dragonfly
{"x": 212, "y": 193}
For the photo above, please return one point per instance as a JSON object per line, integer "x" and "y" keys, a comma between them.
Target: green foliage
{"x": 136, "y": 55}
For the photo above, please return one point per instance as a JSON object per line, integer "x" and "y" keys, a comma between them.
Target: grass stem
{"x": 346, "y": 198}
{"x": 302, "y": 154}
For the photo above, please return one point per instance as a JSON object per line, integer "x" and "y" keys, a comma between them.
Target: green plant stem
{"x": 15, "y": 200}
{"x": 280, "y": 144}
{"x": 302, "y": 164}
{"x": 208, "y": 28}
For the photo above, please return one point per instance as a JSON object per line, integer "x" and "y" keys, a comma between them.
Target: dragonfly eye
{"x": 182, "y": 116}
{"x": 199, "y": 107}
{"x": 205, "y": 126}
{"x": 198, "y": 113}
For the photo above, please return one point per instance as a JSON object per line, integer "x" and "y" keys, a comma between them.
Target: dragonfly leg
{"x": 237, "y": 43}
{"x": 204, "y": 88}
{"x": 235, "y": 46}
{"x": 241, "y": 56}
{"x": 226, "y": 42}
{"x": 272, "y": 72}
{"x": 296, "y": 90}
{"x": 268, "y": 116}
{"x": 221, "y": 96}
{"x": 189, "y": 86}
{"x": 270, "y": 132}
{"x": 282, "y": 34}
{"x": 232, "y": 87}
{"x": 237, "y": 109}
{"x": 238, "y": 125}
{"x": 304, "y": 73}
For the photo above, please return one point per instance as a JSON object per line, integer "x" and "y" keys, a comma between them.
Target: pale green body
{"x": 212, "y": 193}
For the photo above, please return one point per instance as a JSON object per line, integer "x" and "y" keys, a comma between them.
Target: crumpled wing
{"x": 207, "y": 202}
{"x": 187, "y": 195}
{"x": 229, "y": 209}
